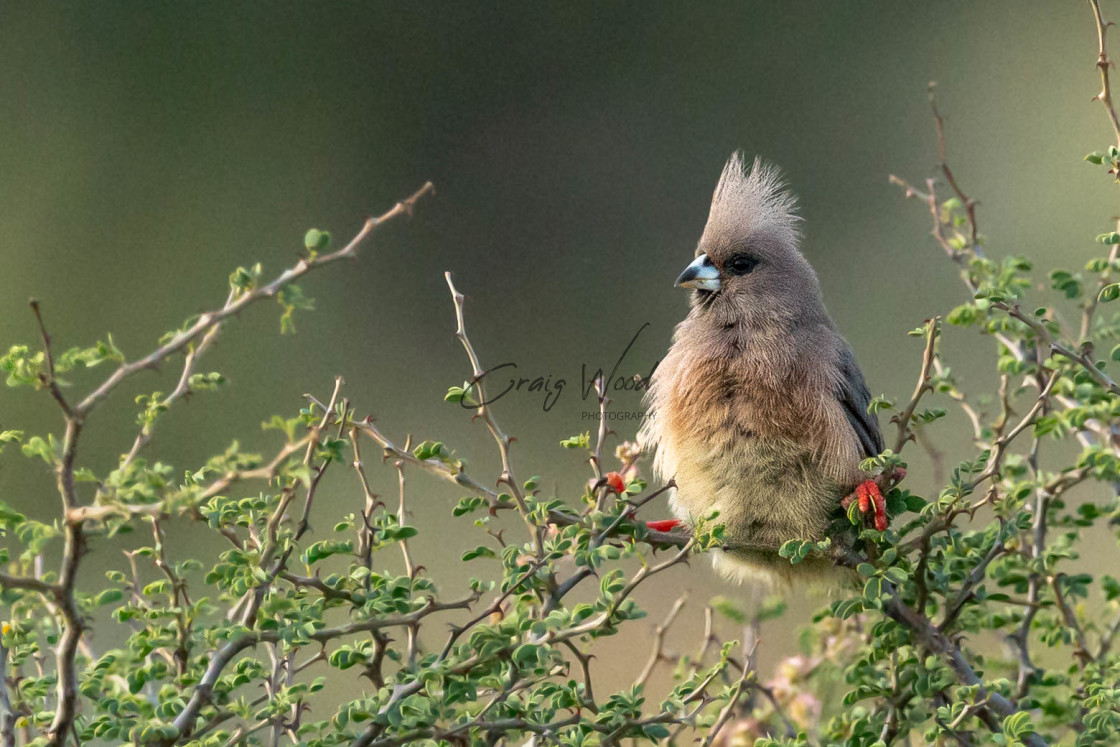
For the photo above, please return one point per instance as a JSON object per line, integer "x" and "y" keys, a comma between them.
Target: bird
{"x": 759, "y": 409}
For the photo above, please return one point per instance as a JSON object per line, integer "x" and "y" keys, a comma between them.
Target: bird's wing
{"x": 854, "y": 397}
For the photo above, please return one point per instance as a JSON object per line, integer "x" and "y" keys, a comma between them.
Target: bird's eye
{"x": 741, "y": 264}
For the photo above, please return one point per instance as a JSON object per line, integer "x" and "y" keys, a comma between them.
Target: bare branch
{"x": 483, "y": 409}
{"x": 657, "y": 654}
{"x": 30, "y": 583}
{"x": 49, "y": 379}
{"x": 969, "y": 204}
{"x": 1103, "y": 65}
{"x": 923, "y": 385}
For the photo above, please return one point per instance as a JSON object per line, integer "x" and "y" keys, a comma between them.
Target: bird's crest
{"x": 754, "y": 197}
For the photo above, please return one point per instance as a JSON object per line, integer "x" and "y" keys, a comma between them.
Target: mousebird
{"x": 759, "y": 410}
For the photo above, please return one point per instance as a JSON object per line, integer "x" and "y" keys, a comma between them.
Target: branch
{"x": 970, "y": 583}
{"x": 182, "y": 389}
{"x": 185, "y": 721}
{"x": 657, "y": 654}
{"x": 1047, "y": 341}
{"x": 968, "y": 203}
{"x": 7, "y": 713}
{"x": 74, "y": 547}
{"x": 219, "y": 486}
{"x": 73, "y": 625}
{"x": 923, "y": 385}
{"x": 30, "y": 583}
{"x": 936, "y": 642}
{"x": 49, "y": 379}
{"x": 725, "y": 714}
{"x": 431, "y": 466}
{"x": 211, "y": 318}
{"x": 999, "y": 448}
{"x": 503, "y": 441}
{"x": 312, "y": 444}
{"x": 1103, "y": 65}
{"x": 1081, "y": 646}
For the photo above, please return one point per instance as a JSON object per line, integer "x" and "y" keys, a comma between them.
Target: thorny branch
{"x": 933, "y": 638}
{"x": 905, "y": 418}
{"x": 75, "y": 417}
{"x": 1104, "y": 64}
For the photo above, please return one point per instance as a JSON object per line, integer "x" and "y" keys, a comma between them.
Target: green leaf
{"x": 482, "y": 551}
{"x": 896, "y": 575}
{"x": 428, "y": 450}
{"x": 879, "y": 404}
{"x": 243, "y": 279}
{"x": 772, "y": 607}
{"x": 582, "y": 441}
{"x": 325, "y": 549}
{"x": 109, "y": 596}
{"x": 728, "y": 609}
{"x": 23, "y": 367}
{"x": 399, "y": 533}
{"x": 291, "y": 299}
{"x": 48, "y": 450}
{"x": 796, "y": 550}
{"x": 1018, "y": 725}
{"x": 316, "y": 240}
{"x": 846, "y": 608}
{"x": 1109, "y": 293}
{"x": 7, "y": 437}
{"x": 915, "y": 503}
{"x": 855, "y": 516}
{"x": 202, "y": 382}
{"x": 896, "y": 502}
{"x": 468, "y": 505}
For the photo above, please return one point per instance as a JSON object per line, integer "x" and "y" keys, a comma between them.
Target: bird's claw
{"x": 870, "y": 498}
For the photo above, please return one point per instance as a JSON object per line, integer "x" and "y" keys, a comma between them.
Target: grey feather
{"x": 855, "y": 397}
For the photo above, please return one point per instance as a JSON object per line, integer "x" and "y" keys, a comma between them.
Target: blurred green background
{"x": 147, "y": 149}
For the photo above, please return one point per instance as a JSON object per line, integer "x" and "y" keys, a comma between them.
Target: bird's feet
{"x": 665, "y": 525}
{"x": 870, "y": 498}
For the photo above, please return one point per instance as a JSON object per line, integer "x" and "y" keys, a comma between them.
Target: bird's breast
{"x": 744, "y": 443}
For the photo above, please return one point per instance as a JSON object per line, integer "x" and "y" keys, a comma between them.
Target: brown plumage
{"x": 759, "y": 409}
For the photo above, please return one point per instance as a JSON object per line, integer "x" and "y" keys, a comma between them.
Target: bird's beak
{"x": 701, "y": 274}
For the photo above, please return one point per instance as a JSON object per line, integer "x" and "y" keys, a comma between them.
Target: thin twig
{"x": 483, "y": 411}
{"x": 923, "y": 385}
{"x": 657, "y": 654}
{"x": 1103, "y": 65}
{"x": 49, "y": 379}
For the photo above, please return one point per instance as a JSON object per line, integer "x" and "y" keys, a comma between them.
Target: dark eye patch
{"x": 740, "y": 264}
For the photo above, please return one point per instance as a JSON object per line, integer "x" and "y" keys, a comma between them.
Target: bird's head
{"x": 748, "y": 269}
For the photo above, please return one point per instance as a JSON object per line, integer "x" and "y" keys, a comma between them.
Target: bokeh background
{"x": 148, "y": 149}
